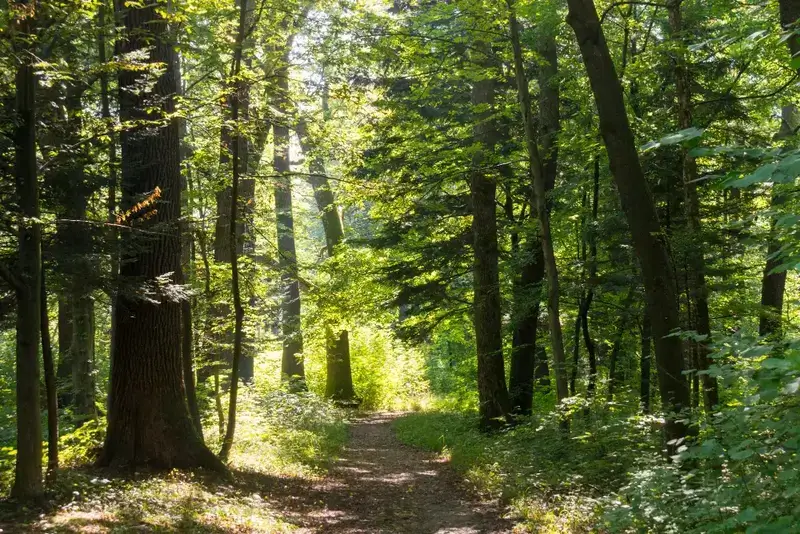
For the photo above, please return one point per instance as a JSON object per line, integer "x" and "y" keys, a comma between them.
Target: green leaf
{"x": 674, "y": 138}
{"x": 762, "y": 174}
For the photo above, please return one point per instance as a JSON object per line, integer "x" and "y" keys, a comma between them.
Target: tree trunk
{"x": 50, "y": 386}
{"x": 148, "y": 420}
{"x": 536, "y": 171}
{"x": 494, "y": 405}
{"x": 28, "y": 470}
{"x": 644, "y": 384}
{"x": 238, "y": 309}
{"x": 187, "y": 236}
{"x": 523, "y": 354}
{"x": 292, "y": 367}
{"x": 697, "y": 279}
{"x": 639, "y": 209}
{"x": 587, "y": 302}
{"x": 526, "y": 367}
{"x": 111, "y": 207}
{"x": 773, "y": 284}
{"x": 339, "y": 377}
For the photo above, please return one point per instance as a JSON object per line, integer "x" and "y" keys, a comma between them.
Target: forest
{"x": 413, "y": 266}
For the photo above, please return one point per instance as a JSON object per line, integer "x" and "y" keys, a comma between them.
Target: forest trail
{"x": 379, "y": 485}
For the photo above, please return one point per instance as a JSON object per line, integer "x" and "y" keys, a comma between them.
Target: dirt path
{"x": 380, "y": 485}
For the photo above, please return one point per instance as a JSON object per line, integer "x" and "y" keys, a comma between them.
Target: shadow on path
{"x": 379, "y": 485}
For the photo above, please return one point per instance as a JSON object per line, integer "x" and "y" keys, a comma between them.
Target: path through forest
{"x": 380, "y": 485}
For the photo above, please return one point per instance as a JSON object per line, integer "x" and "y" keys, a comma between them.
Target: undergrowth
{"x": 281, "y": 438}
{"x": 553, "y": 481}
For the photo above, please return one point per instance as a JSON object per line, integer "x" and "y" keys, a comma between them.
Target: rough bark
{"x": 28, "y": 468}
{"x": 148, "y": 420}
{"x": 536, "y": 170}
{"x": 494, "y": 405}
{"x": 697, "y": 278}
{"x": 637, "y": 202}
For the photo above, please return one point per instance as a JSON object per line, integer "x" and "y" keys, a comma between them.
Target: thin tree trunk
{"x": 644, "y": 384}
{"x": 662, "y": 296}
{"x": 111, "y": 207}
{"x": 148, "y": 420}
{"x": 697, "y": 280}
{"x": 537, "y": 174}
{"x": 50, "y": 387}
{"x": 528, "y": 361}
{"x": 617, "y": 346}
{"x": 28, "y": 469}
{"x": 587, "y": 302}
{"x": 227, "y": 442}
{"x": 187, "y": 343}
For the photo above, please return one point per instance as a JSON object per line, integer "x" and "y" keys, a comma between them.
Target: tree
{"x": 536, "y": 173}
{"x": 492, "y": 391}
{"x": 148, "y": 421}
{"x": 659, "y": 282}
{"x": 28, "y": 469}
{"x": 292, "y": 368}
{"x": 339, "y": 376}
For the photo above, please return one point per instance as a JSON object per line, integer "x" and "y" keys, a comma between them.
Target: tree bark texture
{"x": 148, "y": 420}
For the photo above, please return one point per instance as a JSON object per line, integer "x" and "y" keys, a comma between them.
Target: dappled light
{"x": 400, "y": 266}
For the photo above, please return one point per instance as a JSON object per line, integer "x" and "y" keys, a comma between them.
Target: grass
{"x": 553, "y": 482}
{"x": 283, "y": 442}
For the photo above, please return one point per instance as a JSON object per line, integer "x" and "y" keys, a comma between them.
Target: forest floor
{"x": 375, "y": 485}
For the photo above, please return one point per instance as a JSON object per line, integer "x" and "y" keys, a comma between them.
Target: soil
{"x": 379, "y": 485}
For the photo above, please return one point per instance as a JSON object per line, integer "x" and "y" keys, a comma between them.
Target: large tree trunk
{"x": 292, "y": 367}
{"x": 148, "y": 420}
{"x": 28, "y": 469}
{"x": 536, "y": 170}
{"x": 697, "y": 279}
{"x": 494, "y": 405}
{"x": 662, "y": 296}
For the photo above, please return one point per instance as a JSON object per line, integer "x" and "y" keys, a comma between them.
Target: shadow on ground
{"x": 377, "y": 485}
